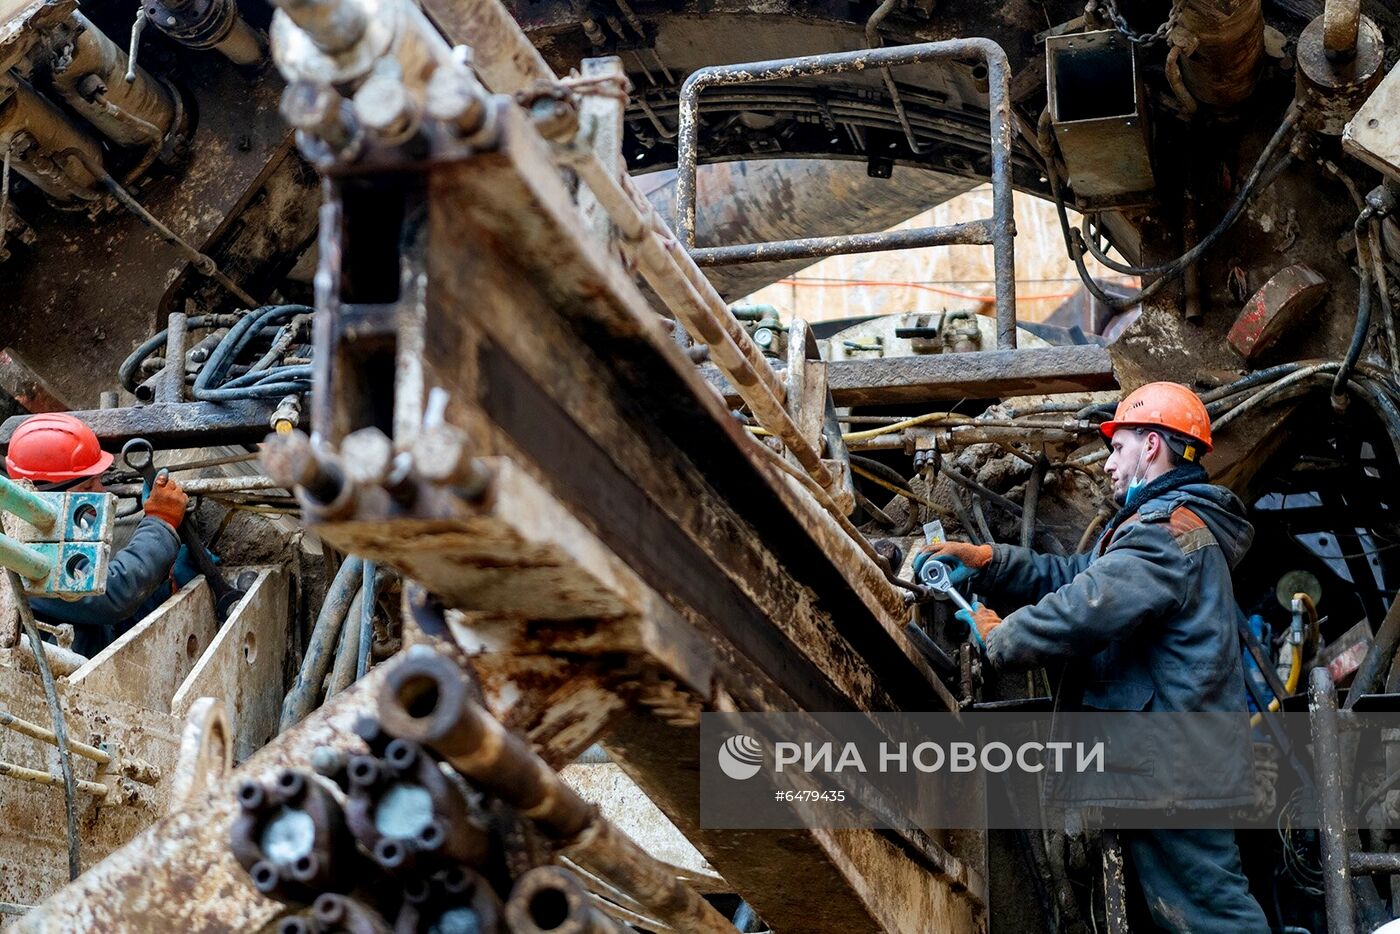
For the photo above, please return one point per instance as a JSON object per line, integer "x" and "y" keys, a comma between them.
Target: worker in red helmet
{"x": 56, "y": 451}
{"x": 1146, "y": 620}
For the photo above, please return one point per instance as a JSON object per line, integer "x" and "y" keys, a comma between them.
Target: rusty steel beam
{"x": 991, "y": 374}
{"x": 185, "y": 425}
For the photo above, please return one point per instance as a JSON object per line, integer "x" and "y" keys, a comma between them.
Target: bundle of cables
{"x": 266, "y": 377}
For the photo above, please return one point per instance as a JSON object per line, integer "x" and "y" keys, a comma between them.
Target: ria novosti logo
{"x": 740, "y": 757}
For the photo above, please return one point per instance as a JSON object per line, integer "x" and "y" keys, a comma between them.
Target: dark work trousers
{"x": 1192, "y": 881}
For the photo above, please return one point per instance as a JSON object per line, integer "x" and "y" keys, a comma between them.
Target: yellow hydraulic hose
{"x": 1295, "y": 668}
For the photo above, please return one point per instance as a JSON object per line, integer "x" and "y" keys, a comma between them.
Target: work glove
{"x": 980, "y": 622}
{"x": 963, "y": 560}
{"x": 166, "y": 501}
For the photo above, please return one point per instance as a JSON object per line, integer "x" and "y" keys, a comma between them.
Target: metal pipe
{"x": 974, "y": 233}
{"x": 1327, "y": 759}
{"x": 1371, "y": 864}
{"x": 551, "y": 899}
{"x": 210, "y": 25}
{"x": 873, "y": 41}
{"x": 172, "y": 382}
{"x": 999, "y": 106}
{"x": 22, "y": 559}
{"x": 33, "y": 730}
{"x": 63, "y": 661}
{"x": 205, "y": 486}
{"x": 425, "y": 699}
{"x": 29, "y": 506}
{"x": 306, "y": 689}
{"x": 40, "y": 139}
{"x": 47, "y": 778}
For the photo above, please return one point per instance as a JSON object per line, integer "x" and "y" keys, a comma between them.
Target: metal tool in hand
{"x": 141, "y": 457}
{"x": 935, "y": 576}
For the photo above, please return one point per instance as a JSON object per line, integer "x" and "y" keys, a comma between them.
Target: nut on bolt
{"x": 292, "y": 461}
{"x": 457, "y": 98}
{"x": 318, "y": 111}
{"x": 385, "y": 107}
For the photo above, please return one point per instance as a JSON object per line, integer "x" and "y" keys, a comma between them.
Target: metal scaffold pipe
{"x": 29, "y": 506}
{"x": 425, "y": 699}
{"x": 23, "y": 560}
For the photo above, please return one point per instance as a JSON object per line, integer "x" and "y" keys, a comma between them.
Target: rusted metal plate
{"x": 146, "y": 664}
{"x": 1275, "y": 309}
{"x": 243, "y": 665}
{"x": 1373, "y": 135}
{"x": 33, "y": 841}
{"x": 187, "y": 425}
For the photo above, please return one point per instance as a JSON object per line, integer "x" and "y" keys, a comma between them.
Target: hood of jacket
{"x": 1219, "y": 508}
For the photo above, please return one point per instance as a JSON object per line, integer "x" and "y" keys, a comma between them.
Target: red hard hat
{"x": 1163, "y": 405}
{"x": 53, "y": 447}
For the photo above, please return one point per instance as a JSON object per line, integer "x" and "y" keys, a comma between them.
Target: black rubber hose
{"x": 126, "y": 373}
{"x": 1257, "y": 378}
{"x": 1363, "y": 308}
{"x": 291, "y": 379}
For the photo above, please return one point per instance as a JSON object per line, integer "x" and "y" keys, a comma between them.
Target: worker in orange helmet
{"x": 56, "y": 451}
{"x": 1144, "y": 621}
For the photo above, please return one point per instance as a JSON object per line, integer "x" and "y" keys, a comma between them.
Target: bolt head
{"x": 383, "y": 104}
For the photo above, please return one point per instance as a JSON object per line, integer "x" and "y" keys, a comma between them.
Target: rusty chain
{"x": 1120, "y": 23}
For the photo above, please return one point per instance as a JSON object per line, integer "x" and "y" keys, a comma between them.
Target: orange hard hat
{"x": 55, "y": 446}
{"x": 1162, "y": 405}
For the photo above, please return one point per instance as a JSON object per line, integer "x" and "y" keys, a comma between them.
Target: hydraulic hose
{"x": 1363, "y": 308}
{"x": 126, "y": 373}
{"x": 320, "y": 647}
{"x": 209, "y": 385}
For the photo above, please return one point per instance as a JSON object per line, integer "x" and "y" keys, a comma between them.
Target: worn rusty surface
{"x": 1277, "y": 308}
{"x": 553, "y": 438}
{"x": 1373, "y": 134}
{"x": 33, "y": 842}
{"x": 1331, "y": 89}
{"x": 104, "y": 292}
{"x": 1107, "y": 154}
{"x": 179, "y": 876}
{"x": 787, "y": 199}
{"x": 1228, "y": 37}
